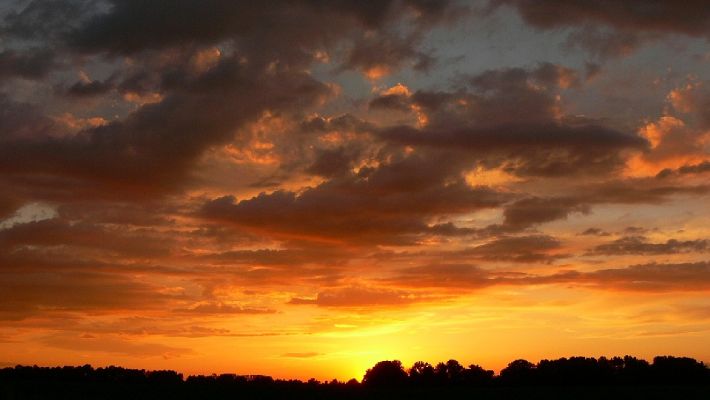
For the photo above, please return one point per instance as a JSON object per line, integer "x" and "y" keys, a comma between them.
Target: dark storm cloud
{"x": 334, "y": 162}
{"x": 650, "y": 277}
{"x": 698, "y": 168}
{"x": 272, "y": 257}
{"x": 603, "y": 43}
{"x": 523, "y": 249}
{"x": 376, "y": 204}
{"x": 153, "y": 147}
{"x": 531, "y": 211}
{"x": 143, "y": 243}
{"x": 266, "y": 49}
{"x": 443, "y": 275}
{"x": 644, "y": 277}
{"x": 89, "y": 89}
{"x": 132, "y": 26}
{"x": 390, "y": 52}
{"x": 46, "y": 20}
{"x": 640, "y": 245}
{"x": 22, "y": 121}
{"x": 28, "y": 64}
{"x": 610, "y": 27}
{"x": 345, "y": 123}
{"x": 511, "y": 120}
{"x": 689, "y": 17}
{"x": 594, "y": 232}
{"x": 535, "y": 210}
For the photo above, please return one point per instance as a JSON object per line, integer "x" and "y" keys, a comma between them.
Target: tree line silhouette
{"x": 580, "y": 377}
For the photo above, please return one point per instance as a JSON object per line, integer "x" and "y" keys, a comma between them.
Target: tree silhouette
{"x": 385, "y": 373}
{"x": 518, "y": 372}
{"x": 422, "y": 373}
{"x": 477, "y": 375}
{"x": 574, "y": 377}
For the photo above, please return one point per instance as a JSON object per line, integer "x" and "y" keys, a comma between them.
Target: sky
{"x": 303, "y": 188}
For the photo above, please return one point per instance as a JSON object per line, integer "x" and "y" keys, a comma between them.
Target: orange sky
{"x": 302, "y": 189}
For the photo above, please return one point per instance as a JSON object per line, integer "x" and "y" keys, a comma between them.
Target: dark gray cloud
{"x": 594, "y": 232}
{"x": 510, "y": 119}
{"x": 641, "y": 246}
{"x": 523, "y": 249}
{"x": 46, "y": 20}
{"x": 698, "y": 168}
{"x": 152, "y": 148}
{"x": 535, "y": 210}
{"x": 284, "y": 28}
{"x": 387, "y": 53}
{"x": 690, "y": 18}
{"x": 650, "y": 277}
{"x": 21, "y": 121}
{"x": 610, "y": 28}
{"x": 137, "y": 243}
{"x": 33, "y": 63}
{"x": 262, "y": 67}
{"x": 531, "y": 211}
{"x": 643, "y": 277}
{"x": 387, "y": 203}
{"x": 89, "y": 89}
{"x": 334, "y": 162}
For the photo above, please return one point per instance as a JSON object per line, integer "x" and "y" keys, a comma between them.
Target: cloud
{"x": 334, "y": 162}
{"x": 357, "y": 296}
{"x": 531, "y": 211}
{"x": 26, "y": 64}
{"x": 692, "y": 100}
{"x": 594, "y": 232}
{"x": 510, "y": 119}
{"x": 23, "y": 294}
{"x": 534, "y": 210}
{"x": 376, "y": 205}
{"x": 650, "y": 277}
{"x": 663, "y": 16}
{"x": 89, "y": 89}
{"x": 377, "y": 56}
{"x": 687, "y": 169}
{"x": 113, "y": 345}
{"x": 640, "y": 245}
{"x": 642, "y": 277}
{"x": 204, "y": 113}
{"x": 22, "y": 121}
{"x": 133, "y": 26}
{"x": 525, "y": 249}
{"x": 203, "y": 105}
{"x": 608, "y": 28}
{"x": 223, "y": 309}
{"x": 277, "y": 257}
{"x": 59, "y": 232}
{"x": 443, "y": 276}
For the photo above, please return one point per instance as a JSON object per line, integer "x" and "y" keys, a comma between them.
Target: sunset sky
{"x": 303, "y": 188}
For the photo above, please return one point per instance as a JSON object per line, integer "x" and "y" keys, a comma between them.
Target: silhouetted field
{"x": 565, "y": 378}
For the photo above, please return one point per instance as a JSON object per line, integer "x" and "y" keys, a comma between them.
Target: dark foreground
{"x": 565, "y": 378}
{"x": 93, "y": 391}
